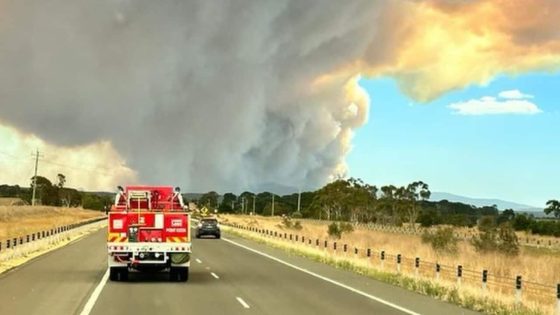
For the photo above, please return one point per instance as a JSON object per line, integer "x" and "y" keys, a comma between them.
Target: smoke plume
{"x": 234, "y": 95}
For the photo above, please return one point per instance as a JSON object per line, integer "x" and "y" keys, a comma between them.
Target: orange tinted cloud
{"x": 439, "y": 46}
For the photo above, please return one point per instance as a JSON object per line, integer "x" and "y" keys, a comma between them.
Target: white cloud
{"x": 489, "y": 105}
{"x": 514, "y": 94}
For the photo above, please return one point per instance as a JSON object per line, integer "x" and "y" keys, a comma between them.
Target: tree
{"x": 506, "y": 216}
{"x": 415, "y": 192}
{"x": 61, "y": 180}
{"x": 209, "y": 199}
{"x": 553, "y": 206}
{"x": 388, "y": 202}
{"x": 228, "y": 203}
{"x": 333, "y": 198}
{"x": 46, "y": 192}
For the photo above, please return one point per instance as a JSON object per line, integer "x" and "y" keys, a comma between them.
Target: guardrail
{"x": 484, "y": 280}
{"x": 15, "y": 242}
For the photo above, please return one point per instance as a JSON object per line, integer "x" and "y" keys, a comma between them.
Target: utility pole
{"x": 299, "y": 201}
{"x": 232, "y": 205}
{"x": 254, "y": 197}
{"x": 272, "y": 214}
{"x": 243, "y": 205}
{"x": 35, "y": 177}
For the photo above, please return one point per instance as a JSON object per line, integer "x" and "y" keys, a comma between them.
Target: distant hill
{"x": 480, "y": 202}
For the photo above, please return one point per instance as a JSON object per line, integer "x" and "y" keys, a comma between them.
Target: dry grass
{"x": 534, "y": 266}
{"x": 22, "y": 220}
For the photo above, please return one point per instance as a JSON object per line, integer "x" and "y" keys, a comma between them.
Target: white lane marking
{"x": 342, "y": 285}
{"x": 199, "y": 261}
{"x": 240, "y": 300}
{"x": 214, "y": 275}
{"x": 95, "y": 295}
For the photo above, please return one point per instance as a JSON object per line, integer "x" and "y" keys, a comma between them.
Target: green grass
{"x": 448, "y": 293}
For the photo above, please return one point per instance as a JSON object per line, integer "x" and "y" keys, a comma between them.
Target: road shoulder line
{"x": 95, "y": 295}
{"x": 342, "y": 285}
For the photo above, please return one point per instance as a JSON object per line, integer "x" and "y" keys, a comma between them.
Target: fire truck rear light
{"x": 182, "y": 248}
{"x": 121, "y": 247}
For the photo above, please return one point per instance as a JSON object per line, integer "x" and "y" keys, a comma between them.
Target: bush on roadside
{"x": 297, "y": 215}
{"x": 442, "y": 240}
{"x": 502, "y": 240}
{"x": 346, "y": 227}
{"x": 298, "y": 226}
{"x": 334, "y": 230}
{"x": 287, "y": 222}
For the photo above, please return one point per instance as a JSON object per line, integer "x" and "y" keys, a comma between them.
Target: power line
{"x": 77, "y": 167}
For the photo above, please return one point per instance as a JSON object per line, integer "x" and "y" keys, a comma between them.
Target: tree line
{"x": 56, "y": 194}
{"x": 353, "y": 200}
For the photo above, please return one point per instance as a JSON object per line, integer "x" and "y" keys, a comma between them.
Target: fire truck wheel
{"x": 179, "y": 274}
{"x": 118, "y": 274}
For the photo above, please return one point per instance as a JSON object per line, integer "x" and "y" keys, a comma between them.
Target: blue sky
{"x": 514, "y": 157}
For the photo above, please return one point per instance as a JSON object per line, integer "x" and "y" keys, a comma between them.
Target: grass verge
{"x": 464, "y": 297}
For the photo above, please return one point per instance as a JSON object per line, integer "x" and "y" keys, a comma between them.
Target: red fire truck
{"x": 149, "y": 230}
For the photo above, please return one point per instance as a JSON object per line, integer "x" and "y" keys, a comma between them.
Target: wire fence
{"x": 486, "y": 282}
{"x": 468, "y": 234}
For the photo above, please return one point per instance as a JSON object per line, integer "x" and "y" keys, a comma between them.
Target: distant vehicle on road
{"x": 149, "y": 230}
{"x": 208, "y": 226}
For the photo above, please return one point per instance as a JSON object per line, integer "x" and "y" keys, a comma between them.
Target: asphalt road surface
{"x": 228, "y": 276}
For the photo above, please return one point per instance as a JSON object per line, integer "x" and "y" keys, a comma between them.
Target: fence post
{"x": 484, "y": 279}
{"x": 345, "y": 248}
{"x": 368, "y": 255}
{"x": 438, "y": 270}
{"x": 459, "y": 274}
{"x": 382, "y": 258}
{"x": 334, "y": 247}
{"x": 416, "y": 266}
{"x": 558, "y": 299}
{"x": 399, "y": 263}
{"x": 7, "y": 244}
{"x": 355, "y": 252}
{"x": 518, "y": 286}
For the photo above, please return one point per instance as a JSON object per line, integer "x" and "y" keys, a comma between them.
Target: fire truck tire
{"x": 179, "y": 274}
{"x": 118, "y": 274}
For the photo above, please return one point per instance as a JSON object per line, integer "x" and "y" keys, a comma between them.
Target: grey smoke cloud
{"x": 205, "y": 94}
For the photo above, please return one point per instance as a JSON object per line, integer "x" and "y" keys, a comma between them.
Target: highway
{"x": 228, "y": 276}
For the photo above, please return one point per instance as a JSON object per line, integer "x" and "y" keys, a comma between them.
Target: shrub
{"x": 346, "y": 227}
{"x": 287, "y": 222}
{"x": 443, "y": 240}
{"x": 297, "y": 215}
{"x": 297, "y": 225}
{"x": 502, "y": 239}
{"x": 508, "y": 242}
{"x": 334, "y": 230}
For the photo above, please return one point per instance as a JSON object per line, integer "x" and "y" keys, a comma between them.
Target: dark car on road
{"x": 208, "y": 226}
